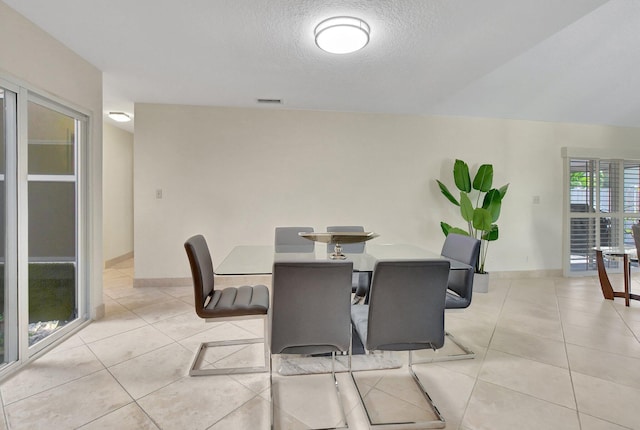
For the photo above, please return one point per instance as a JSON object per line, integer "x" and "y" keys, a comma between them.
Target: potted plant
{"x": 481, "y": 217}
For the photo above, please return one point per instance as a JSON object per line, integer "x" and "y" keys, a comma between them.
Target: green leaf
{"x": 484, "y": 178}
{"x": 492, "y": 202}
{"x": 457, "y": 230}
{"x": 445, "y": 228}
{"x": 445, "y": 191}
{"x": 492, "y": 234}
{"x": 466, "y": 207}
{"x": 461, "y": 176}
{"x": 481, "y": 219}
{"x": 503, "y": 191}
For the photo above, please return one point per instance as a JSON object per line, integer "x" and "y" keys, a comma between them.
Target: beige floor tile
{"x": 151, "y": 371}
{"x": 251, "y": 355}
{"x": 473, "y": 334}
{"x": 622, "y": 342}
{"x": 605, "y": 365}
{"x": 129, "y": 417}
{"x": 532, "y": 325}
{"x": 591, "y": 423}
{"x": 256, "y": 382}
{"x": 607, "y": 400}
{"x": 592, "y": 320}
{"x": 541, "y": 349}
{"x": 195, "y": 402}
{"x": 496, "y": 408}
{"x": 112, "y": 307}
{"x": 184, "y": 325}
{"x": 70, "y": 405}
{"x": 252, "y": 415}
{"x": 310, "y": 399}
{"x": 178, "y": 291}
{"x": 546, "y": 382}
{"x": 111, "y": 325}
{"x": 144, "y": 297}
{"x": 224, "y": 331}
{"x": 51, "y": 370}
{"x": 124, "y": 346}
{"x": 163, "y": 310}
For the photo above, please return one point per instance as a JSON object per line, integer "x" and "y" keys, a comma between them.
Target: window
{"x": 603, "y": 202}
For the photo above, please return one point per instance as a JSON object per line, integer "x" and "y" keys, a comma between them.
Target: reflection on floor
{"x": 551, "y": 354}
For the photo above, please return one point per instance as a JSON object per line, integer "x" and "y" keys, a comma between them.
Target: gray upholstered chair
{"x": 288, "y": 240}
{"x": 635, "y": 231}
{"x": 311, "y": 311}
{"x": 360, "y": 280}
{"x": 405, "y": 313}
{"x": 228, "y": 304}
{"x": 465, "y": 249}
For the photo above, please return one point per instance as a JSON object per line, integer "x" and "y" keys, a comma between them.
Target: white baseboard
{"x": 552, "y": 273}
{"x": 120, "y": 259}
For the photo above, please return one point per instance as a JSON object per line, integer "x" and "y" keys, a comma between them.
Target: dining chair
{"x": 311, "y": 312}
{"x": 635, "y": 231}
{"x": 405, "y": 313}
{"x": 360, "y": 280}
{"x": 288, "y": 240}
{"x": 228, "y": 304}
{"x": 465, "y": 249}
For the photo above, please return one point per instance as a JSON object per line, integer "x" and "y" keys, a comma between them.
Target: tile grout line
{"x": 477, "y": 378}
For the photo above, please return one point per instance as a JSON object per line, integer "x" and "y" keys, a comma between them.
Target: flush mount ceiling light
{"x": 119, "y": 116}
{"x": 342, "y": 34}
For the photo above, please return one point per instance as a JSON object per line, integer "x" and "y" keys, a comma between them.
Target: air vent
{"x": 270, "y": 101}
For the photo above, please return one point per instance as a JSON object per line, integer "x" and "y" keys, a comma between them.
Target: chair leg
{"x": 466, "y": 354}
{"x": 438, "y": 423}
{"x": 335, "y": 383}
{"x": 194, "y": 369}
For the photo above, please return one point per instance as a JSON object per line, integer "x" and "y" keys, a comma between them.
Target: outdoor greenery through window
{"x": 604, "y": 200}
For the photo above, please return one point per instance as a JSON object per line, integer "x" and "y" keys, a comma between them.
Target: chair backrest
{"x": 406, "y": 305}
{"x": 349, "y": 248}
{"x": 288, "y": 240}
{"x": 635, "y": 230}
{"x": 201, "y": 270}
{"x": 311, "y": 307}
{"x": 465, "y": 249}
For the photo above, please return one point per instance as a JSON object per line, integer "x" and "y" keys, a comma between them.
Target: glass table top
{"x": 258, "y": 259}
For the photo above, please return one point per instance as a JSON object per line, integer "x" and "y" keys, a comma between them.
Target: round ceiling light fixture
{"x": 342, "y": 34}
{"x": 119, "y": 116}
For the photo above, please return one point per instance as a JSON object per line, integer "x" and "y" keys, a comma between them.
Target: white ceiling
{"x": 549, "y": 60}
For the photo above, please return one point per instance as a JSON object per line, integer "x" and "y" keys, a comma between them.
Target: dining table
{"x": 259, "y": 259}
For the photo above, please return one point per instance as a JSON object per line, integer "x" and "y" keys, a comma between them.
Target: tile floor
{"x": 551, "y": 354}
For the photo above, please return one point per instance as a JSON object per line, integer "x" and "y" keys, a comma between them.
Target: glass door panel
{"x": 52, "y": 202}
{"x": 8, "y": 265}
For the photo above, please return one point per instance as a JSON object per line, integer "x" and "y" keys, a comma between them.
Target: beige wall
{"x": 234, "y": 174}
{"x": 117, "y": 192}
{"x": 30, "y": 57}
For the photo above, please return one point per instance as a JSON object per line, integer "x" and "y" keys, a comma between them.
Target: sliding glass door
{"x": 52, "y": 217}
{"x": 43, "y": 286}
{"x": 8, "y": 233}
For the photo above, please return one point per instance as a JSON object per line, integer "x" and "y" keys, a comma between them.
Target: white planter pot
{"x": 481, "y": 282}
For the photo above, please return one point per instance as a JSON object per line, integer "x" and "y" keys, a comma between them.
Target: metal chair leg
{"x": 439, "y": 422}
{"x": 195, "y": 370}
{"x": 335, "y": 383}
{"x": 467, "y": 353}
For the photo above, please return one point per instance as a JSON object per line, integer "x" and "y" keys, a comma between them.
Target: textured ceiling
{"x": 549, "y": 60}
